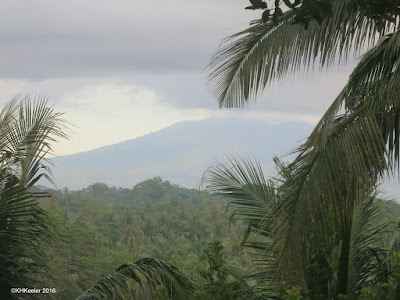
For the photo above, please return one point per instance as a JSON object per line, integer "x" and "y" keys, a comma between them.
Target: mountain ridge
{"x": 180, "y": 152}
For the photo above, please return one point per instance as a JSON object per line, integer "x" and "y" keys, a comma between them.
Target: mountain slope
{"x": 180, "y": 152}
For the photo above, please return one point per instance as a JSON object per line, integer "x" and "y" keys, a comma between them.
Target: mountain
{"x": 180, "y": 152}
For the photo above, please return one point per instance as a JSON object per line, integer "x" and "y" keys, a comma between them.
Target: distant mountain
{"x": 180, "y": 152}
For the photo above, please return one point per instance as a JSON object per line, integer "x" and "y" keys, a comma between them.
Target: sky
{"x": 122, "y": 69}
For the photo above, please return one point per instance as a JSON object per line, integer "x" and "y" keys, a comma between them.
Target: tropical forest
{"x": 319, "y": 228}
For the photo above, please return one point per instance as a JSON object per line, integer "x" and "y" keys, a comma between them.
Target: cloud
{"x": 99, "y": 37}
{"x": 161, "y": 45}
{"x": 107, "y": 112}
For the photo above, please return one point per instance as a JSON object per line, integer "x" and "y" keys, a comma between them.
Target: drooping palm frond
{"x": 381, "y": 64}
{"x": 253, "y": 58}
{"x": 142, "y": 280}
{"x": 318, "y": 198}
{"x": 321, "y": 218}
{"x": 374, "y": 83}
{"x": 345, "y": 152}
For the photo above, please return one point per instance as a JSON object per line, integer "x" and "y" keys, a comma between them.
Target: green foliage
{"x": 252, "y": 59}
{"x": 325, "y": 231}
{"x": 293, "y": 294}
{"x": 341, "y": 257}
{"x": 103, "y": 227}
{"x": 390, "y": 288}
{"x": 128, "y": 282}
{"x": 220, "y": 280}
{"x": 319, "y": 10}
{"x": 27, "y": 130}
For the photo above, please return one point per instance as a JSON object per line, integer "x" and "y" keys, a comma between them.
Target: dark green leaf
{"x": 265, "y": 15}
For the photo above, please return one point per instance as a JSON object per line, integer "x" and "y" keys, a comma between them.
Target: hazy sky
{"x": 120, "y": 69}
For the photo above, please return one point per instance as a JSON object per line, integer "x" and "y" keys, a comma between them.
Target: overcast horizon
{"x": 123, "y": 69}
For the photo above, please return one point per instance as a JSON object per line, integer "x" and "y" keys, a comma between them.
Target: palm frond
{"x": 255, "y": 57}
{"x": 322, "y": 218}
{"x": 28, "y": 128}
{"x": 374, "y": 83}
{"x": 394, "y": 242}
{"x": 30, "y": 136}
{"x": 251, "y": 197}
{"x": 381, "y": 64}
{"x": 318, "y": 198}
{"x": 24, "y": 229}
{"x": 242, "y": 182}
{"x": 372, "y": 226}
{"x": 142, "y": 279}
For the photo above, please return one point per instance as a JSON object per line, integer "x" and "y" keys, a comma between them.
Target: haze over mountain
{"x": 180, "y": 152}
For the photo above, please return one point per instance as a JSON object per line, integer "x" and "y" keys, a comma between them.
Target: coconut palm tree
{"x": 369, "y": 103}
{"x": 28, "y": 129}
{"x": 341, "y": 258}
{"x": 363, "y": 120}
{"x": 352, "y": 147}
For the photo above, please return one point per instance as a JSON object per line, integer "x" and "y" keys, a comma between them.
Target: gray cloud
{"x": 43, "y": 39}
{"x": 313, "y": 96}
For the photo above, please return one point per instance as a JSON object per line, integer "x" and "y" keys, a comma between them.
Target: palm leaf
{"x": 325, "y": 179}
{"x": 378, "y": 65}
{"x": 251, "y": 197}
{"x": 140, "y": 280}
{"x": 24, "y": 229}
{"x": 372, "y": 227}
{"x": 27, "y": 130}
{"x": 30, "y": 136}
{"x": 242, "y": 182}
{"x": 253, "y": 58}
